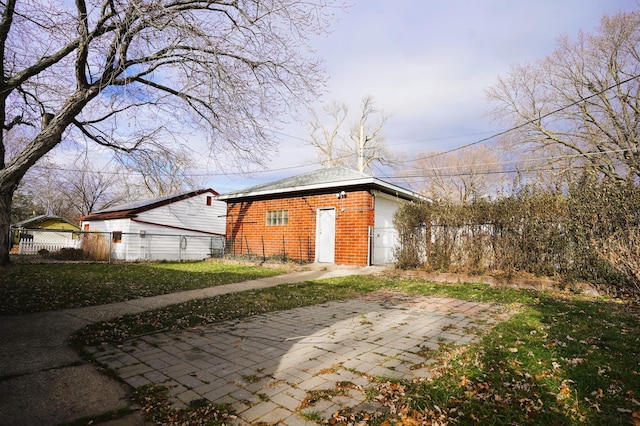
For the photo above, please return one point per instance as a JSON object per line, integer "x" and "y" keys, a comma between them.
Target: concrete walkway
{"x": 45, "y": 382}
{"x": 267, "y": 366}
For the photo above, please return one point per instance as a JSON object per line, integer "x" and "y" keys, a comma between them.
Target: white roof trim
{"x": 393, "y": 189}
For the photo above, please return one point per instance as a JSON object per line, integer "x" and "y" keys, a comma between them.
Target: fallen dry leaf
{"x": 564, "y": 390}
{"x": 409, "y": 421}
{"x": 464, "y": 381}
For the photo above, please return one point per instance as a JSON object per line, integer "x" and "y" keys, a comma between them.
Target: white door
{"x": 385, "y": 236}
{"x": 325, "y": 235}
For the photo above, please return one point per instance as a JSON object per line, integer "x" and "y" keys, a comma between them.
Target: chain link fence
{"x": 297, "y": 249}
{"x": 148, "y": 246}
{"x": 380, "y": 245}
{"x": 109, "y": 246}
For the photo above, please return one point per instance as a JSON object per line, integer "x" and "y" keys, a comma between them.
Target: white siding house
{"x": 189, "y": 226}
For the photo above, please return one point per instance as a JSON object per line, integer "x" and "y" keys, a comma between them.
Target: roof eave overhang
{"x": 370, "y": 182}
{"x": 133, "y": 212}
{"x": 125, "y": 214}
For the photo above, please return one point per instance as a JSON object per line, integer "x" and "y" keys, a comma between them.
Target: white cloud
{"x": 428, "y": 63}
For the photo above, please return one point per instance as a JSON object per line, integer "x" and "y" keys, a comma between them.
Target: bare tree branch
{"x": 221, "y": 70}
{"x": 326, "y": 138}
{"x": 369, "y": 146}
{"x": 592, "y": 86}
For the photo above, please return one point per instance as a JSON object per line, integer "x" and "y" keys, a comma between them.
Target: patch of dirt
{"x": 529, "y": 282}
{"x": 289, "y": 266}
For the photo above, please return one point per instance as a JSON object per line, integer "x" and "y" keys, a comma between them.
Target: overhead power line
{"x": 504, "y": 132}
{"x": 432, "y": 172}
{"x": 480, "y": 141}
{"x": 493, "y": 136}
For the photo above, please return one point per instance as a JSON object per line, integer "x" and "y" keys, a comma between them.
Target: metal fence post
{"x": 284, "y": 250}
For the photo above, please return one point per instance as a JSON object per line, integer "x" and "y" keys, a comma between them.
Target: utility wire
{"x": 495, "y": 135}
{"x": 483, "y": 140}
{"x": 527, "y": 122}
{"x": 425, "y": 175}
{"x": 539, "y": 159}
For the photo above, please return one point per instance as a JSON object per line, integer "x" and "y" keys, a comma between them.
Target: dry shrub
{"x": 622, "y": 250}
{"x": 96, "y": 246}
{"x": 523, "y": 232}
{"x": 591, "y": 234}
{"x": 605, "y": 219}
{"x": 411, "y": 223}
{"x": 70, "y": 254}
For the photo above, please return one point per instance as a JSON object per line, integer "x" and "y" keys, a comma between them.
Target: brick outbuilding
{"x": 334, "y": 215}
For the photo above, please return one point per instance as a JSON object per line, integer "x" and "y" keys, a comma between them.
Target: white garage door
{"x": 385, "y": 236}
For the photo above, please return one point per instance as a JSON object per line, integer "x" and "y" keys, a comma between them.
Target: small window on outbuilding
{"x": 209, "y": 200}
{"x": 277, "y": 217}
{"x": 116, "y": 236}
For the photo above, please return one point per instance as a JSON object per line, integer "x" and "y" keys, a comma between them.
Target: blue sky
{"x": 427, "y": 64}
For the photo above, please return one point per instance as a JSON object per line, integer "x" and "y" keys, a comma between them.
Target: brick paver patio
{"x": 267, "y": 365}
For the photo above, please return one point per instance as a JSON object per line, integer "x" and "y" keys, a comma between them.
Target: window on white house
{"x": 116, "y": 236}
{"x": 277, "y": 217}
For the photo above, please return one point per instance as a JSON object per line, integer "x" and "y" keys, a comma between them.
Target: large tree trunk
{"x": 260, "y": 62}
{"x": 5, "y": 223}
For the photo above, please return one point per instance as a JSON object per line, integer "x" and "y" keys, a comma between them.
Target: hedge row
{"x": 591, "y": 233}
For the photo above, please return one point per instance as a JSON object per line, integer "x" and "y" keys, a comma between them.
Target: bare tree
{"x": 23, "y": 207}
{"x": 44, "y": 186}
{"x": 69, "y": 191}
{"x": 460, "y": 176}
{"x": 328, "y": 138}
{"x": 127, "y": 74}
{"x": 87, "y": 189}
{"x": 162, "y": 171}
{"x": 369, "y": 144}
{"x": 580, "y": 106}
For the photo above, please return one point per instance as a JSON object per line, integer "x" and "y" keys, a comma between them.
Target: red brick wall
{"x": 246, "y": 226}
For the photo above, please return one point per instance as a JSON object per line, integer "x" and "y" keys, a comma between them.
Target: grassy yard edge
{"x": 545, "y": 364}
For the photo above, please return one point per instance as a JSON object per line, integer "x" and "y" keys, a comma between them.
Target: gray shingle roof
{"x": 131, "y": 209}
{"x": 333, "y": 177}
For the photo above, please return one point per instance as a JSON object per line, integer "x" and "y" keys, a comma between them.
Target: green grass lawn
{"x": 42, "y": 287}
{"x": 558, "y": 360}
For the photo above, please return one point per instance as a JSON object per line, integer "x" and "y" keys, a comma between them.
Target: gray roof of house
{"x": 329, "y": 178}
{"x": 131, "y": 209}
